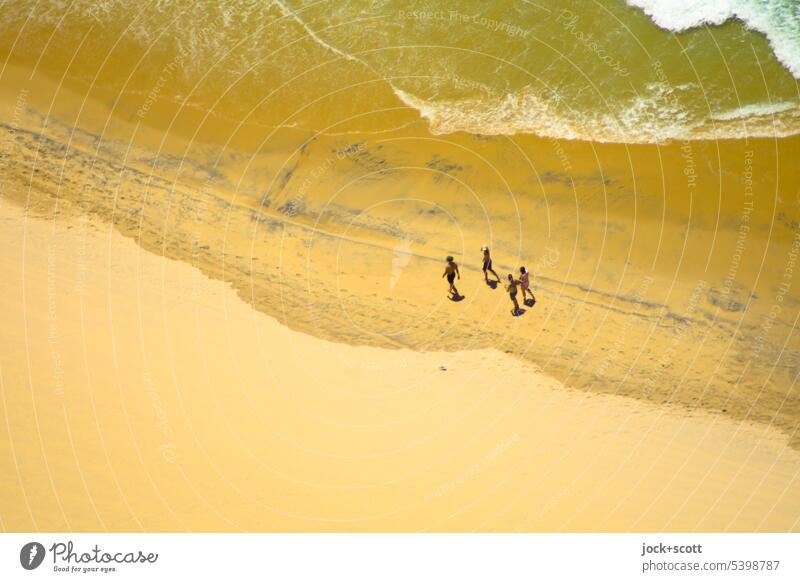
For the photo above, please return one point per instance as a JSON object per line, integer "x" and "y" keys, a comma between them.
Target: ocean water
{"x": 640, "y": 71}
{"x": 778, "y": 20}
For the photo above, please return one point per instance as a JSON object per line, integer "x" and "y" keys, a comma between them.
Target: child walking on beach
{"x": 487, "y": 265}
{"x": 524, "y": 280}
{"x": 451, "y": 271}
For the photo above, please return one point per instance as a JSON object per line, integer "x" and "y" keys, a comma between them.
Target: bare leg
{"x": 516, "y": 305}
{"x": 495, "y": 274}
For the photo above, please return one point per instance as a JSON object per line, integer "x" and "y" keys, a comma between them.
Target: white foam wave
{"x": 654, "y": 118}
{"x": 755, "y": 110}
{"x": 778, "y": 20}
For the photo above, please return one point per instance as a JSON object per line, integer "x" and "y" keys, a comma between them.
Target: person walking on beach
{"x": 511, "y": 287}
{"x": 524, "y": 279}
{"x": 487, "y": 265}
{"x": 451, "y": 271}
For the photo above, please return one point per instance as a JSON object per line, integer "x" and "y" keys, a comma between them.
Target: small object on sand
{"x": 443, "y": 368}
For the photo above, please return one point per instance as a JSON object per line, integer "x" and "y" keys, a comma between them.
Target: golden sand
{"x": 261, "y": 349}
{"x": 138, "y": 394}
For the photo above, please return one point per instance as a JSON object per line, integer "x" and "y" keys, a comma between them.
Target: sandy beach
{"x": 223, "y": 305}
{"x": 665, "y": 277}
{"x": 140, "y": 395}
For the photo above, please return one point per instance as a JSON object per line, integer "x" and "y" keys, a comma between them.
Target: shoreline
{"x": 633, "y": 282}
{"x": 626, "y": 270}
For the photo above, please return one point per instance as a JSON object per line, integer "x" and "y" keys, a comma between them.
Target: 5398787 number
{"x": 754, "y": 564}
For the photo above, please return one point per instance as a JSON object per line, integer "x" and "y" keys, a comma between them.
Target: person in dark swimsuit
{"x": 451, "y": 271}
{"x": 487, "y": 265}
{"x": 511, "y": 287}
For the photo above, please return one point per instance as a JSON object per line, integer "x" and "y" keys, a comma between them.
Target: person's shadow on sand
{"x": 519, "y": 312}
{"x": 492, "y": 284}
{"x": 456, "y": 298}
{"x": 530, "y": 302}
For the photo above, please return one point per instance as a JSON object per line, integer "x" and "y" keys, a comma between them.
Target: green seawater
{"x": 566, "y": 69}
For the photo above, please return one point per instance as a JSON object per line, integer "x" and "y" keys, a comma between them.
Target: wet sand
{"x": 665, "y": 272}
{"x": 138, "y": 394}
